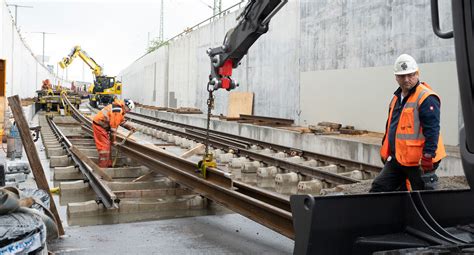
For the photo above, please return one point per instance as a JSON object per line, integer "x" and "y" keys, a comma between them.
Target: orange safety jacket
{"x": 409, "y": 139}
{"x": 111, "y": 116}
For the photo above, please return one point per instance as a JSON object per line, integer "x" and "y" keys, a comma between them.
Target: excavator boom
{"x": 78, "y": 52}
{"x": 105, "y": 87}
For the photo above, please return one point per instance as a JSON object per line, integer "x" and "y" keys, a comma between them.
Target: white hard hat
{"x": 129, "y": 103}
{"x": 405, "y": 64}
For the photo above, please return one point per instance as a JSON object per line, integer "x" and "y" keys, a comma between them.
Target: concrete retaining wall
{"x": 358, "y": 148}
{"x": 24, "y": 72}
{"x": 286, "y": 68}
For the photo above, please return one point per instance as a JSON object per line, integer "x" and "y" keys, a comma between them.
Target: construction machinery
{"x": 49, "y": 97}
{"x": 252, "y": 23}
{"x": 105, "y": 88}
{"x": 403, "y": 222}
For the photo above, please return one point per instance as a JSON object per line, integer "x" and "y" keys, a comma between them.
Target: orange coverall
{"x": 108, "y": 119}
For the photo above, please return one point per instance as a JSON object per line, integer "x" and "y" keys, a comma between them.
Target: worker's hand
{"x": 113, "y": 137}
{"x": 426, "y": 163}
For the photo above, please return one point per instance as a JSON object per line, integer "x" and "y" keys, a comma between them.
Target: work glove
{"x": 130, "y": 128}
{"x": 426, "y": 163}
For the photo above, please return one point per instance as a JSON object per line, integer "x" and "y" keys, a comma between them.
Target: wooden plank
{"x": 3, "y": 83}
{"x": 240, "y": 103}
{"x": 332, "y": 125}
{"x": 3, "y": 77}
{"x": 32, "y": 155}
{"x": 193, "y": 151}
{"x": 2, "y": 111}
{"x": 267, "y": 119}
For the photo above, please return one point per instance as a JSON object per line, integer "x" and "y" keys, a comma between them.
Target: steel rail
{"x": 105, "y": 195}
{"x": 240, "y": 200}
{"x": 293, "y": 151}
{"x": 218, "y": 142}
{"x": 240, "y": 150}
{"x": 268, "y": 209}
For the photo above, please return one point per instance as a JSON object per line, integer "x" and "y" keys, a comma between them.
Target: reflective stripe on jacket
{"x": 409, "y": 138}
{"x": 111, "y": 116}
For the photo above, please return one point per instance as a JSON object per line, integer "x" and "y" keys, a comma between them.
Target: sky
{"x": 113, "y": 32}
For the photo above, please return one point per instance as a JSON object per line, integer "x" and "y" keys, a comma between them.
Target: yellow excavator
{"x": 105, "y": 88}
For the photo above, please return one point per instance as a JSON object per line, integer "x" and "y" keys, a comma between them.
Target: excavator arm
{"x": 104, "y": 88}
{"x": 77, "y": 51}
{"x": 252, "y": 23}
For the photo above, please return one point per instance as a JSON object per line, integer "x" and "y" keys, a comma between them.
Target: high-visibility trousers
{"x": 102, "y": 143}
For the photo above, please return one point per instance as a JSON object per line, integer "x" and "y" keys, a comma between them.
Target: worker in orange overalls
{"x": 46, "y": 85}
{"x": 106, "y": 123}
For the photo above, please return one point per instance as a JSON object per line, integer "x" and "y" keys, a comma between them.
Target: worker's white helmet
{"x": 405, "y": 64}
{"x": 129, "y": 103}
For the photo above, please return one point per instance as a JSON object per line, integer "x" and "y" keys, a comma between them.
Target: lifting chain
{"x": 208, "y": 158}
{"x": 210, "y": 106}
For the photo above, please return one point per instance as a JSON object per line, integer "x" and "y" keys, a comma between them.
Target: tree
{"x": 155, "y": 44}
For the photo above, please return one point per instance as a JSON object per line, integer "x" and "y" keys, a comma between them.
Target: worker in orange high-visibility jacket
{"x": 105, "y": 124}
{"x": 412, "y": 147}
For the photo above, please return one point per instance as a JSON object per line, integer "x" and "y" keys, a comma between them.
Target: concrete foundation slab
{"x": 90, "y": 208}
{"x": 126, "y": 172}
{"x": 163, "y": 183}
{"x": 223, "y": 234}
{"x": 90, "y": 152}
{"x": 73, "y": 187}
{"x": 58, "y": 161}
{"x": 67, "y": 173}
{"x": 55, "y": 152}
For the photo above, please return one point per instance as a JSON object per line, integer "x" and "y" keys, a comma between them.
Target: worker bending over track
{"x": 105, "y": 125}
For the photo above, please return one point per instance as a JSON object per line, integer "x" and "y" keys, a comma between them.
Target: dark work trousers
{"x": 393, "y": 177}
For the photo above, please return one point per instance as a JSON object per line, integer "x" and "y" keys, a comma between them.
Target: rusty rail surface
{"x": 104, "y": 193}
{"x": 241, "y": 149}
{"x": 249, "y": 141}
{"x": 268, "y": 209}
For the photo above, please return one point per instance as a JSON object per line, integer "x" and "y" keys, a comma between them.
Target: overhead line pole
{"x": 44, "y": 33}
{"x": 16, "y": 9}
{"x": 161, "y": 21}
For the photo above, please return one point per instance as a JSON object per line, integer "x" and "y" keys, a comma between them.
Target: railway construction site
{"x": 270, "y": 137}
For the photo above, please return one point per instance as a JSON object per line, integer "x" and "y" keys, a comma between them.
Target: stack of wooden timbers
{"x": 261, "y": 120}
{"x": 127, "y": 192}
{"x": 180, "y": 110}
{"x": 331, "y": 128}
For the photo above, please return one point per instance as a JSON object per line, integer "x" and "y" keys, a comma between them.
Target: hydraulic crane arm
{"x": 77, "y": 51}
{"x": 252, "y": 23}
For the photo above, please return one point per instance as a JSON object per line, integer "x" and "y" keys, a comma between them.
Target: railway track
{"x": 267, "y": 208}
{"x": 310, "y": 165}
